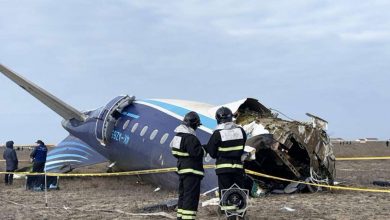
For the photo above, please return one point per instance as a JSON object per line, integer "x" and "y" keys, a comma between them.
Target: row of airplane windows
{"x": 144, "y": 130}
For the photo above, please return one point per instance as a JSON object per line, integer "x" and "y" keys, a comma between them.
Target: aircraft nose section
{"x": 100, "y": 123}
{"x": 108, "y": 117}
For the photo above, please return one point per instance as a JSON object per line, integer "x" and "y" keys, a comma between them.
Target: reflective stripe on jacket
{"x": 226, "y": 145}
{"x": 186, "y": 147}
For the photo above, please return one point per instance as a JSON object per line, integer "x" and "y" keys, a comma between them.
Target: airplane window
{"x": 164, "y": 138}
{"x": 134, "y": 128}
{"x": 153, "y": 135}
{"x": 126, "y": 124}
{"x": 144, "y": 130}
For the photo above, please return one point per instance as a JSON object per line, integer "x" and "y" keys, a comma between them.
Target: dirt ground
{"x": 123, "y": 197}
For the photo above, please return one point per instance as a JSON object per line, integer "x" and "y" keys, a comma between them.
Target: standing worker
{"x": 38, "y": 157}
{"x": 11, "y": 161}
{"x": 187, "y": 149}
{"x": 226, "y": 145}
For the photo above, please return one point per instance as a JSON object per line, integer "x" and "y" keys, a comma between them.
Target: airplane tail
{"x": 64, "y": 110}
{"x": 71, "y": 153}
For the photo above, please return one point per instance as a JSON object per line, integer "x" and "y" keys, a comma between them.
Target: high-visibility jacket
{"x": 226, "y": 145}
{"x": 186, "y": 147}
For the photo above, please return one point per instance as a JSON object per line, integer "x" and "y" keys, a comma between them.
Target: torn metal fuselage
{"x": 288, "y": 149}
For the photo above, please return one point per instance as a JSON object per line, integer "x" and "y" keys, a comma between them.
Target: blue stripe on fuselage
{"x": 206, "y": 121}
{"x": 65, "y": 155}
{"x": 55, "y": 151}
{"x": 130, "y": 115}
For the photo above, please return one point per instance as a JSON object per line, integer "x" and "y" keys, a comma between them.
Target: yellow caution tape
{"x": 363, "y": 158}
{"x": 318, "y": 185}
{"x": 174, "y": 169}
{"x": 337, "y": 158}
{"x": 127, "y": 173}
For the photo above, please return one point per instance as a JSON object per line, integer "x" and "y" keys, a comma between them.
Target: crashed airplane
{"x": 134, "y": 134}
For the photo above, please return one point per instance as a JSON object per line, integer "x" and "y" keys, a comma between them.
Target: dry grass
{"x": 113, "y": 197}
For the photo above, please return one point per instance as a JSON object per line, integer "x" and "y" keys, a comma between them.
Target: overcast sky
{"x": 329, "y": 58}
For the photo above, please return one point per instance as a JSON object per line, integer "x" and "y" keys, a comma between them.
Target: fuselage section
{"x": 141, "y": 136}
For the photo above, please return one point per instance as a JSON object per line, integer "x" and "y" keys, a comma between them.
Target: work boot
{"x": 245, "y": 217}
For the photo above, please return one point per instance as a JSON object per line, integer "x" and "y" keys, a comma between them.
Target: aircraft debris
{"x": 17, "y": 176}
{"x": 382, "y": 183}
{"x": 157, "y": 189}
{"x": 287, "y": 209}
{"x": 291, "y": 149}
{"x": 211, "y": 202}
{"x": 291, "y": 188}
{"x": 210, "y": 191}
{"x": 168, "y": 205}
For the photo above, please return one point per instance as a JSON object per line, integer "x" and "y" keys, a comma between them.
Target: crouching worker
{"x": 187, "y": 149}
{"x": 226, "y": 145}
{"x": 11, "y": 161}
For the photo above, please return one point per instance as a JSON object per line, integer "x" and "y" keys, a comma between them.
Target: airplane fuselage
{"x": 141, "y": 136}
{"x": 135, "y": 135}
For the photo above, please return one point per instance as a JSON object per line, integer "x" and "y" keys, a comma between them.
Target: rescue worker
{"x": 11, "y": 161}
{"x": 38, "y": 157}
{"x": 226, "y": 145}
{"x": 189, "y": 152}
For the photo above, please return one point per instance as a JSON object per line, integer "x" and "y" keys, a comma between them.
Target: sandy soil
{"x": 118, "y": 197}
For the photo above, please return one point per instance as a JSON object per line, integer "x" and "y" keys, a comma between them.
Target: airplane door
{"x": 109, "y": 116}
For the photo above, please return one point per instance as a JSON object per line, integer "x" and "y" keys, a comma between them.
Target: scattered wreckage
{"x": 288, "y": 149}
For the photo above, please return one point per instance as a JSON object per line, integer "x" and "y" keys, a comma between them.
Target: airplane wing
{"x": 72, "y": 153}
{"x": 64, "y": 110}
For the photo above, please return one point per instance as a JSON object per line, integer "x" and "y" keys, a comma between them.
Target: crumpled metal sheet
{"x": 305, "y": 135}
